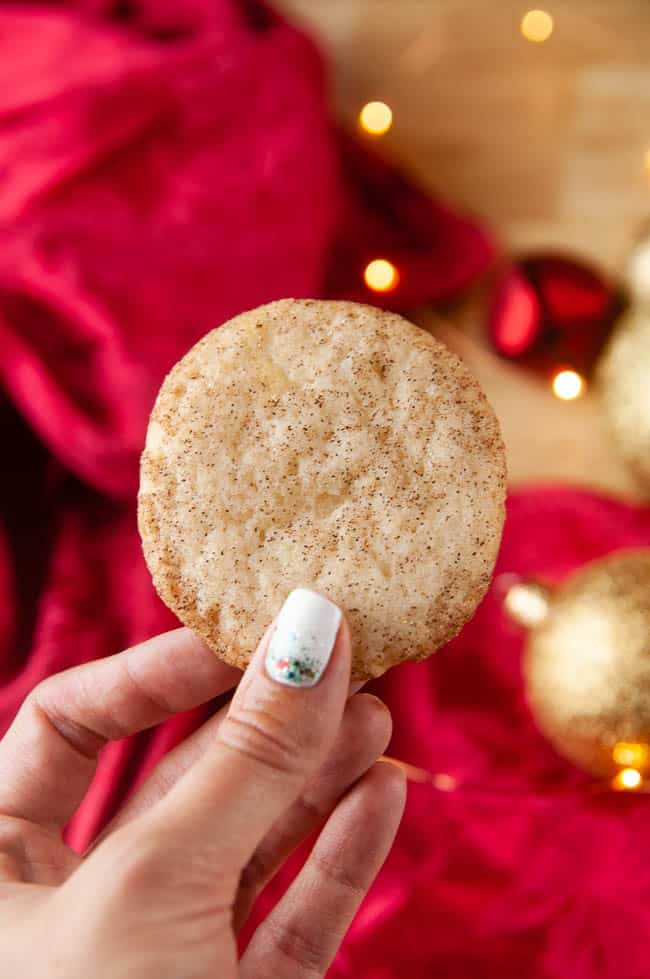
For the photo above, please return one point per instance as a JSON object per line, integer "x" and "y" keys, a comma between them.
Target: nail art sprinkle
{"x": 294, "y": 662}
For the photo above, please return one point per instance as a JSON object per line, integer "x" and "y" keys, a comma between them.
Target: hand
{"x": 165, "y": 890}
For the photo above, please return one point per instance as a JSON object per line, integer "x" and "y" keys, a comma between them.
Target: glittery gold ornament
{"x": 624, "y": 368}
{"x": 587, "y": 664}
{"x": 637, "y": 269}
{"x": 624, "y": 382}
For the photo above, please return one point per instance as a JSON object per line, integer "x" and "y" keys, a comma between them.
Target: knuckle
{"x": 301, "y": 946}
{"x": 41, "y": 692}
{"x": 32, "y": 853}
{"x": 134, "y": 863}
{"x": 159, "y": 872}
{"x": 13, "y": 847}
{"x": 41, "y": 701}
{"x": 11, "y": 831}
{"x": 265, "y": 740}
{"x": 339, "y": 875}
{"x": 33, "y": 715}
{"x": 47, "y": 719}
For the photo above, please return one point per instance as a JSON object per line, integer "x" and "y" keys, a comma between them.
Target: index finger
{"x": 49, "y": 754}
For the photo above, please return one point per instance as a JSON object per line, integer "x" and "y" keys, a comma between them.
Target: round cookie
{"x": 324, "y": 445}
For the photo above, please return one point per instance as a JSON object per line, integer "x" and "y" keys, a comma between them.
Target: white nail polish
{"x": 302, "y": 642}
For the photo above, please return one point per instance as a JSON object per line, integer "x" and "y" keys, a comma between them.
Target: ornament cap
{"x": 527, "y": 603}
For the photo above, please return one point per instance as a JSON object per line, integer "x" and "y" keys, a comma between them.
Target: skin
{"x": 164, "y": 891}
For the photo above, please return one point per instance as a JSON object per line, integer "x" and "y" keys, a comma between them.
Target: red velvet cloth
{"x": 165, "y": 165}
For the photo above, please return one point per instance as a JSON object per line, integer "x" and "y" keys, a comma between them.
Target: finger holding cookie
{"x": 167, "y": 887}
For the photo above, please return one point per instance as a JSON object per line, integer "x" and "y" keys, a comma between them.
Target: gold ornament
{"x": 624, "y": 382}
{"x": 637, "y": 269}
{"x": 587, "y": 664}
{"x": 623, "y": 375}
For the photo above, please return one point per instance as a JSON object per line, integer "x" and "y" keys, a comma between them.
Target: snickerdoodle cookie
{"x": 330, "y": 446}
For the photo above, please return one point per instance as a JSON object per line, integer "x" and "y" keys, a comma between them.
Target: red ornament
{"x": 571, "y": 293}
{"x": 515, "y": 317}
{"x": 550, "y": 309}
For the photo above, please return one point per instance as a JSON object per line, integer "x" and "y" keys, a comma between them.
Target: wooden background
{"x": 547, "y": 142}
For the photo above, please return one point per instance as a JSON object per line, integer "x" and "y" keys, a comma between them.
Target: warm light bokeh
{"x": 568, "y": 385}
{"x": 381, "y": 275}
{"x": 444, "y": 782}
{"x": 630, "y": 753}
{"x": 376, "y": 118}
{"x": 628, "y": 779}
{"x": 537, "y": 25}
{"x": 527, "y": 604}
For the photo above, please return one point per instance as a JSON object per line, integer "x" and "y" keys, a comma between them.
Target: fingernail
{"x": 302, "y": 642}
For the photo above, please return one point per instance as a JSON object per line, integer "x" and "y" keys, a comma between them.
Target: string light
{"x": 376, "y": 118}
{"x": 444, "y": 782}
{"x": 627, "y": 780}
{"x": 537, "y": 25}
{"x": 568, "y": 385}
{"x": 630, "y": 754}
{"x": 527, "y": 604}
{"x": 440, "y": 780}
{"x": 380, "y": 275}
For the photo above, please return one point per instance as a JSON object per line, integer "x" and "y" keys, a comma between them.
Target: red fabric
{"x": 522, "y": 870}
{"x": 165, "y": 165}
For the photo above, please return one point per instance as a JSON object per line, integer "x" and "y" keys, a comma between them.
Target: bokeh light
{"x": 444, "y": 782}
{"x": 380, "y": 275}
{"x": 537, "y": 25}
{"x": 628, "y": 779}
{"x": 630, "y": 753}
{"x": 376, "y": 118}
{"x": 527, "y": 604}
{"x": 518, "y": 324}
{"x": 568, "y": 385}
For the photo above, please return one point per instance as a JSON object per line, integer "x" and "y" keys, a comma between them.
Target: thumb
{"x": 281, "y": 725}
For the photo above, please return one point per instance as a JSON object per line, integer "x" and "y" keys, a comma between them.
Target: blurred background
{"x": 547, "y": 140}
{"x": 539, "y": 126}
